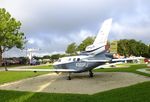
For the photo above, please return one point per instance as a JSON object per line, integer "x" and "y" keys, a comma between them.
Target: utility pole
{"x": 30, "y": 52}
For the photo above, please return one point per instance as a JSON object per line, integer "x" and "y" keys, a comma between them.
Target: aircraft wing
{"x": 42, "y": 70}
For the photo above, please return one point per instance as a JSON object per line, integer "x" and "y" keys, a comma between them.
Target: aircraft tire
{"x": 69, "y": 78}
{"x": 91, "y": 74}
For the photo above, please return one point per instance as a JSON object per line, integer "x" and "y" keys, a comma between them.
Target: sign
{"x": 113, "y": 47}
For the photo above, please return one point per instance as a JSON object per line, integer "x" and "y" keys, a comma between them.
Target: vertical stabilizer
{"x": 102, "y": 36}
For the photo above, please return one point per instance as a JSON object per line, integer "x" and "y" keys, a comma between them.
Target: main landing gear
{"x": 91, "y": 74}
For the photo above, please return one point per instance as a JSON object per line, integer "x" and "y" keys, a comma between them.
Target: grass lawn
{"x": 135, "y": 93}
{"x": 6, "y": 76}
{"x": 131, "y": 69}
{"x": 13, "y": 76}
{"x": 148, "y": 69}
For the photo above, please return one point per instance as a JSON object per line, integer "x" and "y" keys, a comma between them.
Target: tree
{"x": 24, "y": 60}
{"x": 10, "y": 34}
{"x": 46, "y": 57}
{"x": 128, "y": 47}
{"x": 71, "y": 49}
{"x": 143, "y": 49}
{"x": 88, "y": 41}
{"x": 55, "y": 57}
{"x": 149, "y": 51}
{"x": 37, "y": 57}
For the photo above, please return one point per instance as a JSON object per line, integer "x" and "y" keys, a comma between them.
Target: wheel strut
{"x": 91, "y": 74}
{"x": 69, "y": 76}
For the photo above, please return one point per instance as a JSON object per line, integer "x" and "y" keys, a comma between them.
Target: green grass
{"x": 6, "y": 76}
{"x": 134, "y": 93}
{"x": 132, "y": 69}
{"x": 148, "y": 69}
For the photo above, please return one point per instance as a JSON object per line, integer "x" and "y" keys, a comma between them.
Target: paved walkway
{"x": 144, "y": 70}
{"x": 80, "y": 83}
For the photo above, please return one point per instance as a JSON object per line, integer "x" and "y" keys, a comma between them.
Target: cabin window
{"x": 74, "y": 59}
{"x": 69, "y": 59}
{"x": 78, "y": 59}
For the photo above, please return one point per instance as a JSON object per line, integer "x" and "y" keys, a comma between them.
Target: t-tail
{"x": 99, "y": 45}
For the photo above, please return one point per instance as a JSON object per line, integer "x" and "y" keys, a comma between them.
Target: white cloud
{"x": 31, "y": 41}
{"x": 52, "y": 24}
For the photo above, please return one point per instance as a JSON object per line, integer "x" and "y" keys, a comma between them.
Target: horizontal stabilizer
{"x": 108, "y": 65}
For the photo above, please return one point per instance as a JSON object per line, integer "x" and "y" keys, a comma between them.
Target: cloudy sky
{"x": 52, "y": 24}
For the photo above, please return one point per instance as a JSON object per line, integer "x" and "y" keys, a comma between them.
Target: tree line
{"x": 125, "y": 47}
{"x": 52, "y": 58}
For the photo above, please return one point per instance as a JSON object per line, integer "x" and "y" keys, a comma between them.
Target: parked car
{"x": 147, "y": 60}
{"x": 34, "y": 62}
{"x": 9, "y": 62}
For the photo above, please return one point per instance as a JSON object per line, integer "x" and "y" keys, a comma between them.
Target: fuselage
{"x": 80, "y": 63}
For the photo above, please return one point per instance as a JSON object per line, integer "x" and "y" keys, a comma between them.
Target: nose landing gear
{"x": 91, "y": 74}
{"x": 69, "y": 76}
